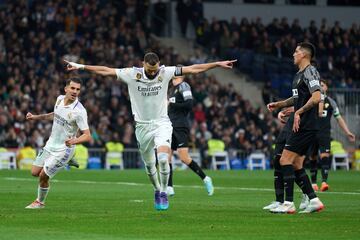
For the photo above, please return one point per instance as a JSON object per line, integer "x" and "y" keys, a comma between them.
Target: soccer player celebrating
{"x": 147, "y": 88}
{"x": 68, "y": 117}
{"x": 306, "y": 97}
{"x": 327, "y": 109}
{"x": 180, "y": 105}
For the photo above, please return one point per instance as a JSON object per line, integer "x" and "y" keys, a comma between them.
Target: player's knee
{"x": 163, "y": 158}
{"x": 35, "y": 172}
{"x": 150, "y": 169}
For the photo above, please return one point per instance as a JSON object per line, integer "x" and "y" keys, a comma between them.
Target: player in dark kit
{"x": 306, "y": 97}
{"x": 180, "y": 105}
{"x": 327, "y": 109}
{"x": 279, "y": 147}
{"x": 278, "y": 176}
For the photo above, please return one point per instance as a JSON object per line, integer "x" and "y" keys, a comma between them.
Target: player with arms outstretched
{"x": 147, "y": 86}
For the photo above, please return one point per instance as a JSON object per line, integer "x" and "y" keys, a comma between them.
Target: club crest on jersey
{"x": 160, "y": 79}
{"x": 138, "y": 76}
{"x": 326, "y": 105}
{"x": 69, "y": 115}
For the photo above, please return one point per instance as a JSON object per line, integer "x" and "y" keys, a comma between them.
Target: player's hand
{"x": 70, "y": 141}
{"x": 281, "y": 116}
{"x": 271, "y": 106}
{"x": 226, "y": 64}
{"x": 70, "y": 66}
{"x": 351, "y": 137}
{"x": 30, "y": 116}
{"x": 288, "y": 110}
{"x": 296, "y": 124}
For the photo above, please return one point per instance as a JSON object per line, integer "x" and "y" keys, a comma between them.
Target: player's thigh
{"x": 163, "y": 133}
{"x": 145, "y": 138}
{"x": 287, "y": 157}
{"x": 299, "y": 142}
{"x": 58, "y": 161}
{"x": 298, "y": 162}
{"x": 40, "y": 158}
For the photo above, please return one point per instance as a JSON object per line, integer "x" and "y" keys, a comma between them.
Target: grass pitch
{"x": 119, "y": 205}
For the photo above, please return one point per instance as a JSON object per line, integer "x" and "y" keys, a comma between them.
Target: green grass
{"x": 106, "y": 207}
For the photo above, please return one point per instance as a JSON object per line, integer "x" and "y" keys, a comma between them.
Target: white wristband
{"x": 77, "y": 65}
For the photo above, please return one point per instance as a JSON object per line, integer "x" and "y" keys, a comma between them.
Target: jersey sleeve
{"x": 173, "y": 71}
{"x": 81, "y": 120}
{"x": 336, "y": 111}
{"x": 124, "y": 74}
{"x": 312, "y": 79}
{"x": 185, "y": 91}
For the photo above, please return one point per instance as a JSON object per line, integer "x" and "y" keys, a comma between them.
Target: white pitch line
{"x": 178, "y": 186}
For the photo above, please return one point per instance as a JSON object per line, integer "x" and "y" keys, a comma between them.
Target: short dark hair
{"x": 324, "y": 82}
{"x": 74, "y": 79}
{"x": 151, "y": 58}
{"x": 309, "y": 47}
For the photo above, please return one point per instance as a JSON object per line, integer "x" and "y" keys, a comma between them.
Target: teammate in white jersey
{"x": 147, "y": 88}
{"x": 68, "y": 117}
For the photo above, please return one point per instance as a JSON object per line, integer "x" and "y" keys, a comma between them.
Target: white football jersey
{"x": 67, "y": 121}
{"x": 148, "y": 97}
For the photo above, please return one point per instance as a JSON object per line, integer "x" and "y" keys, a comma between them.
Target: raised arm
{"x": 198, "y": 68}
{"x": 46, "y": 116}
{"x": 101, "y": 70}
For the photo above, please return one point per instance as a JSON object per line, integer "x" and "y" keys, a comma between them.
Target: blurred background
{"x": 229, "y": 114}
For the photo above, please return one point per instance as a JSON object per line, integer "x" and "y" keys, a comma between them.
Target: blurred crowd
{"x": 35, "y": 37}
{"x": 255, "y": 43}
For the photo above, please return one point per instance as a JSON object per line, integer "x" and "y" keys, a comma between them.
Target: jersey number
{"x": 295, "y": 92}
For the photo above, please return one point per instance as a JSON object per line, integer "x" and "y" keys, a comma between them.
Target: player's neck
{"x": 68, "y": 101}
{"x": 302, "y": 65}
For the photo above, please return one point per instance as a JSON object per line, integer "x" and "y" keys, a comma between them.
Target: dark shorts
{"x": 299, "y": 142}
{"x": 321, "y": 144}
{"x": 280, "y": 142}
{"x": 180, "y": 137}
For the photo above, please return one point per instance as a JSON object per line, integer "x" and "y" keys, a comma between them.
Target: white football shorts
{"x": 53, "y": 162}
{"x": 151, "y": 135}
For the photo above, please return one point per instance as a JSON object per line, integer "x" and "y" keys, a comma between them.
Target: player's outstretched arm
{"x": 47, "y": 116}
{"x": 101, "y": 70}
{"x": 198, "y": 68}
{"x": 84, "y": 137}
{"x": 345, "y": 128}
